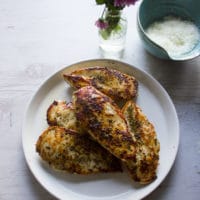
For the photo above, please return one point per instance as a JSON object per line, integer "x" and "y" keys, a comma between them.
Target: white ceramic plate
{"x": 155, "y": 103}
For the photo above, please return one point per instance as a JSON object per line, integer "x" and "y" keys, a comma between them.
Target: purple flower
{"x": 101, "y": 24}
{"x": 122, "y": 3}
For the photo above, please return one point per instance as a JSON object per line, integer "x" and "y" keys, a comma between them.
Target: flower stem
{"x": 103, "y": 12}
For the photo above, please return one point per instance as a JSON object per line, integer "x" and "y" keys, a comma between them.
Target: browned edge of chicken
{"x": 115, "y": 84}
{"x": 100, "y": 116}
{"x": 144, "y": 168}
{"x": 62, "y": 114}
{"x": 66, "y": 150}
{"x": 53, "y": 109}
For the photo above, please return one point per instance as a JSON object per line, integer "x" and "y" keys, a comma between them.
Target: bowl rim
{"x": 155, "y": 45}
{"x": 144, "y": 32}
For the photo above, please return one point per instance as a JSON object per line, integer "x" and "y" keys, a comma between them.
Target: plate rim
{"x": 100, "y": 60}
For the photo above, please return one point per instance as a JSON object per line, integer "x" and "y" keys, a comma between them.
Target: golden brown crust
{"x": 69, "y": 151}
{"x": 117, "y": 85}
{"x": 103, "y": 120}
{"x": 143, "y": 169}
{"x": 62, "y": 114}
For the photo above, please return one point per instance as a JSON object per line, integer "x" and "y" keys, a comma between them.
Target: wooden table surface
{"x": 39, "y": 37}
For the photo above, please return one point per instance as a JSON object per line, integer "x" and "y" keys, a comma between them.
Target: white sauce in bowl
{"x": 175, "y": 35}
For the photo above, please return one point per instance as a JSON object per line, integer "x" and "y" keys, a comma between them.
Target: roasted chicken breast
{"x": 117, "y": 85}
{"x": 143, "y": 168}
{"x": 103, "y": 120}
{"x": 62, "y": 114}
{"x": 67, "y": 150}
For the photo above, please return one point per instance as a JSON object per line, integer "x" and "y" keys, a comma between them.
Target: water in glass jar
{"x": 113, "y": 46}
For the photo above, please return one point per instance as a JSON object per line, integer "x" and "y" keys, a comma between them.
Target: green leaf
{"x": 118, "y": 28}
{"x": 99, "y": 2}
{"x": 105, "y": 34}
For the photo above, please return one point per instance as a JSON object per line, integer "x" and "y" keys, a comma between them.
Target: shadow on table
{"x": 164, "y": 189}
{"x": 174, "y": 76}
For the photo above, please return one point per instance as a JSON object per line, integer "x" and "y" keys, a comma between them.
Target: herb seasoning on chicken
{"x": 143, "y": 168}
{"x": 115, "y": 84}
{"x": 62, "y": 114}
{"x": 67, "y": 150}
{"x": 103, "y": 120}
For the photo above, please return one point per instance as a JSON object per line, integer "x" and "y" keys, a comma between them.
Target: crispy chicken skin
{"x": 115, "y": 84}
{"x": 103, "y": 120}
{"x": 143, "y": 169}
{"x": 69, "y": 151}
{"x": 62, "y": 114}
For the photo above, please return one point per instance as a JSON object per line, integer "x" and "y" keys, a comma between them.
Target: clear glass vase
{"x": 112, "y": 38}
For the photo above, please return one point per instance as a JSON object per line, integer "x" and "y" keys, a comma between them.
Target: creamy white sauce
{"x": 175, "y": 35}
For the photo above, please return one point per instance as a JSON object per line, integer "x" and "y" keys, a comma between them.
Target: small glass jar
{"x": 112, "y": 39}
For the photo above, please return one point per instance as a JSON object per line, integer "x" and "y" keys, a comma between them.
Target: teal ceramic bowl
{"x": 154, "y": 10}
